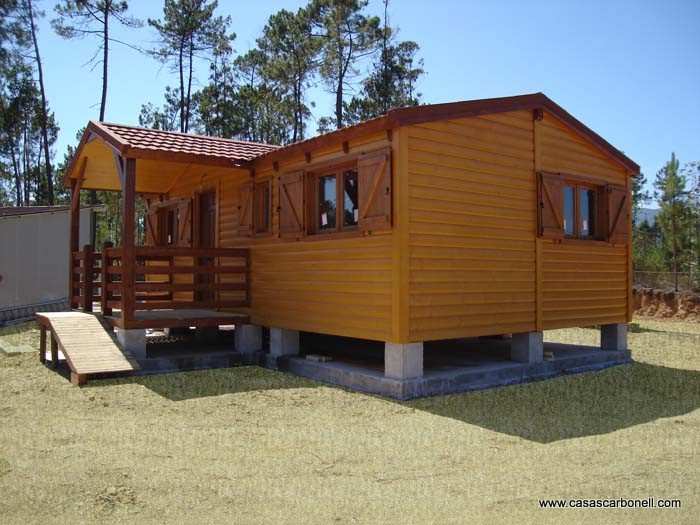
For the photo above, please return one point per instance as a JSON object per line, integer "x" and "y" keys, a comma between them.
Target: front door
{"x": 206, "y": 238}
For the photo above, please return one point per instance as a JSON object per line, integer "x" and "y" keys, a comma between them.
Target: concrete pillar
{"x": 283, "y": 342}
{"x": 133, "y": 341}
{"x": 527, "y": 347}
{"x": 248, "y": 338}
{"x": 613, "y": 336}
{"x": 403, "y": 361}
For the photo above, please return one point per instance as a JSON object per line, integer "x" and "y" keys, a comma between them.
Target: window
{"x": 261, "y": 208}
{"x": 254, "y": 208}
{"x": 581, "y": 210}
{"x": 169, "y": 231}
{"x": 335, "y": 201}
{"x": 354, "y": 196}
{"x": 169, "y": 223}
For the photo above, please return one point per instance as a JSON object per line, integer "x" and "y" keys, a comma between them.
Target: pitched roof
{"x": 432, "y": 112}
{"x": 147, "y": 143}
{"x": 153, "y": 143}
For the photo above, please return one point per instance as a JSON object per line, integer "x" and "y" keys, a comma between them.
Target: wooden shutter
{"x": 291, "y": 204}
{"x": 152, "y": 225}
{"x": 618, "y": 214}
{"x": 245, "y": 209}
{"x": 184, "y": 223}
{"x": 550, "y": 212}
{"x": 374, "y": 191}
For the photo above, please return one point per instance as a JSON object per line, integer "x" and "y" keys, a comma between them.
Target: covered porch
{"x": 178, "y": 277}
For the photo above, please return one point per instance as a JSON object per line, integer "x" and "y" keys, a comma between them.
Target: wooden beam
{"x": 119, "y": 162}
{"x": 54, "y": 351}
{"x": 74, "y": 235}
{"x": 42, "y": 343}
{"x": 128, "y": 240}
{"x": 105, "y": 294}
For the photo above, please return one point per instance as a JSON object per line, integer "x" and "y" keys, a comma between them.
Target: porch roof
{"x": 161, "y": 155}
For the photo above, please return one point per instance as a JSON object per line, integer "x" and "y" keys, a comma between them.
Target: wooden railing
{"x": 165, "y": 279}
{"x": 83, "y": 278}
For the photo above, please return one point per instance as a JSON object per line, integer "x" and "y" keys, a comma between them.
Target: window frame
{"x": 258, "y": 190}
{"x": 577, "y": 184}
{"x": 312, "y": 206}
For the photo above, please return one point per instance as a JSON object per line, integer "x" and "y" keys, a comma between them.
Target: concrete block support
{"x": 133, "y": 341}
{"x": 403, "y": 361}
{"x": 527, "y": 347}
{"x": 248, "y": 338}
{"x": 613, "y": 336}
{"x": 283, "y": 342}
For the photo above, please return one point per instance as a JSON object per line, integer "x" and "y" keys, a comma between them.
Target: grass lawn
{"x": 252, "y": 445}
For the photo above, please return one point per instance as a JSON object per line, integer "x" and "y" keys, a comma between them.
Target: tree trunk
{"x": 182, "y": 88}
{"x": 44, "y": 116}
{"x": 189, "y": 86}
{"x": 105, "y": 56}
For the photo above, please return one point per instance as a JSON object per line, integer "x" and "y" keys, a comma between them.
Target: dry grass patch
{"x": 251, "y": 445}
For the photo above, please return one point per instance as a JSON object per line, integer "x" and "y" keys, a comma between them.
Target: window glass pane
{"x": 568, "y": 210}
{"x": 326, "y": 202}
{"x": 261, "y": 211}
{"x": 587, "y": 211}
{"x": 350, "y": 210}
{"x": 170, "y": 229}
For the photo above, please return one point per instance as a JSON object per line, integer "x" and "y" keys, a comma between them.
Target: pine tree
{"x": 188, "y": 30}
{"x": 673, "y": 216}
{"x": 82, "y": 18}
{"x": 392, "y": 82}
{"x": 291, "y": 60}
{"x": 347, "y": 36}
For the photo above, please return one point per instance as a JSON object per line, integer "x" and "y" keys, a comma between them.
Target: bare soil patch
{"x": 662, "y": 304}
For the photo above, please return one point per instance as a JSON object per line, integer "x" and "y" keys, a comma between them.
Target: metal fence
{"x": 684, "y": 281}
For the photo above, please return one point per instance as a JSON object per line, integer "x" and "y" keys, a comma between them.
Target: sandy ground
{"x": 249, "y": 445}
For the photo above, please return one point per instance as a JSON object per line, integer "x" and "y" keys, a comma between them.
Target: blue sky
{"x": 629, "y": 69}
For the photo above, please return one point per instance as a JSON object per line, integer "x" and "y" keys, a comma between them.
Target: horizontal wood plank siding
{"x": 471, "y": 227}
{"x": 583, "y": 284}
{"x": 340, "y": 286}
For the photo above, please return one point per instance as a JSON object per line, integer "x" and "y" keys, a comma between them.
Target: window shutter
{"x": 374, "y": 191}
{"x": 618, "y": 214}
{"x": 152, "y": 226}
{"x": 245, "y": 209}
{"x": 184, "y": 223}
{"x": 550, "y": 212}
{"x": 291, "y": 204}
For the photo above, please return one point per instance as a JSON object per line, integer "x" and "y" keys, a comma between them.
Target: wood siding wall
{"x": 340, "y": 286}
{"x": 471, "y": 227}
{"x": 476, "y": 266}
{"x": 462, "y": 258}
{"x": 583, "y": 282}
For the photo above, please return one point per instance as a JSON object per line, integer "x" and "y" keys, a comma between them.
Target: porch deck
{"x": 175, "y": 318}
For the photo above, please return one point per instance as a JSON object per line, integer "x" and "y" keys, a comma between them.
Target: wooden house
{"x": 497, "y": 216}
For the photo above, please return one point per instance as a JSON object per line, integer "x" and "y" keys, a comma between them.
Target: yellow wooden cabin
{"x": 476, "y": 218}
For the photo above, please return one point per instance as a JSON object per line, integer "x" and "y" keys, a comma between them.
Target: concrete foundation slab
{"x": 487, "y": 367}
{"x": 613, "y": 336}
{"x": 132, "y": 341}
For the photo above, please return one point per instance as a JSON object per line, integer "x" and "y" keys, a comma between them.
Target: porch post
{"x": 74, "y": 240}
{"x": 128, "y": 241}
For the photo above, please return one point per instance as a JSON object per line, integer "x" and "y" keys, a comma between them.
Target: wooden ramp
{"x": 86, "y": 344}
